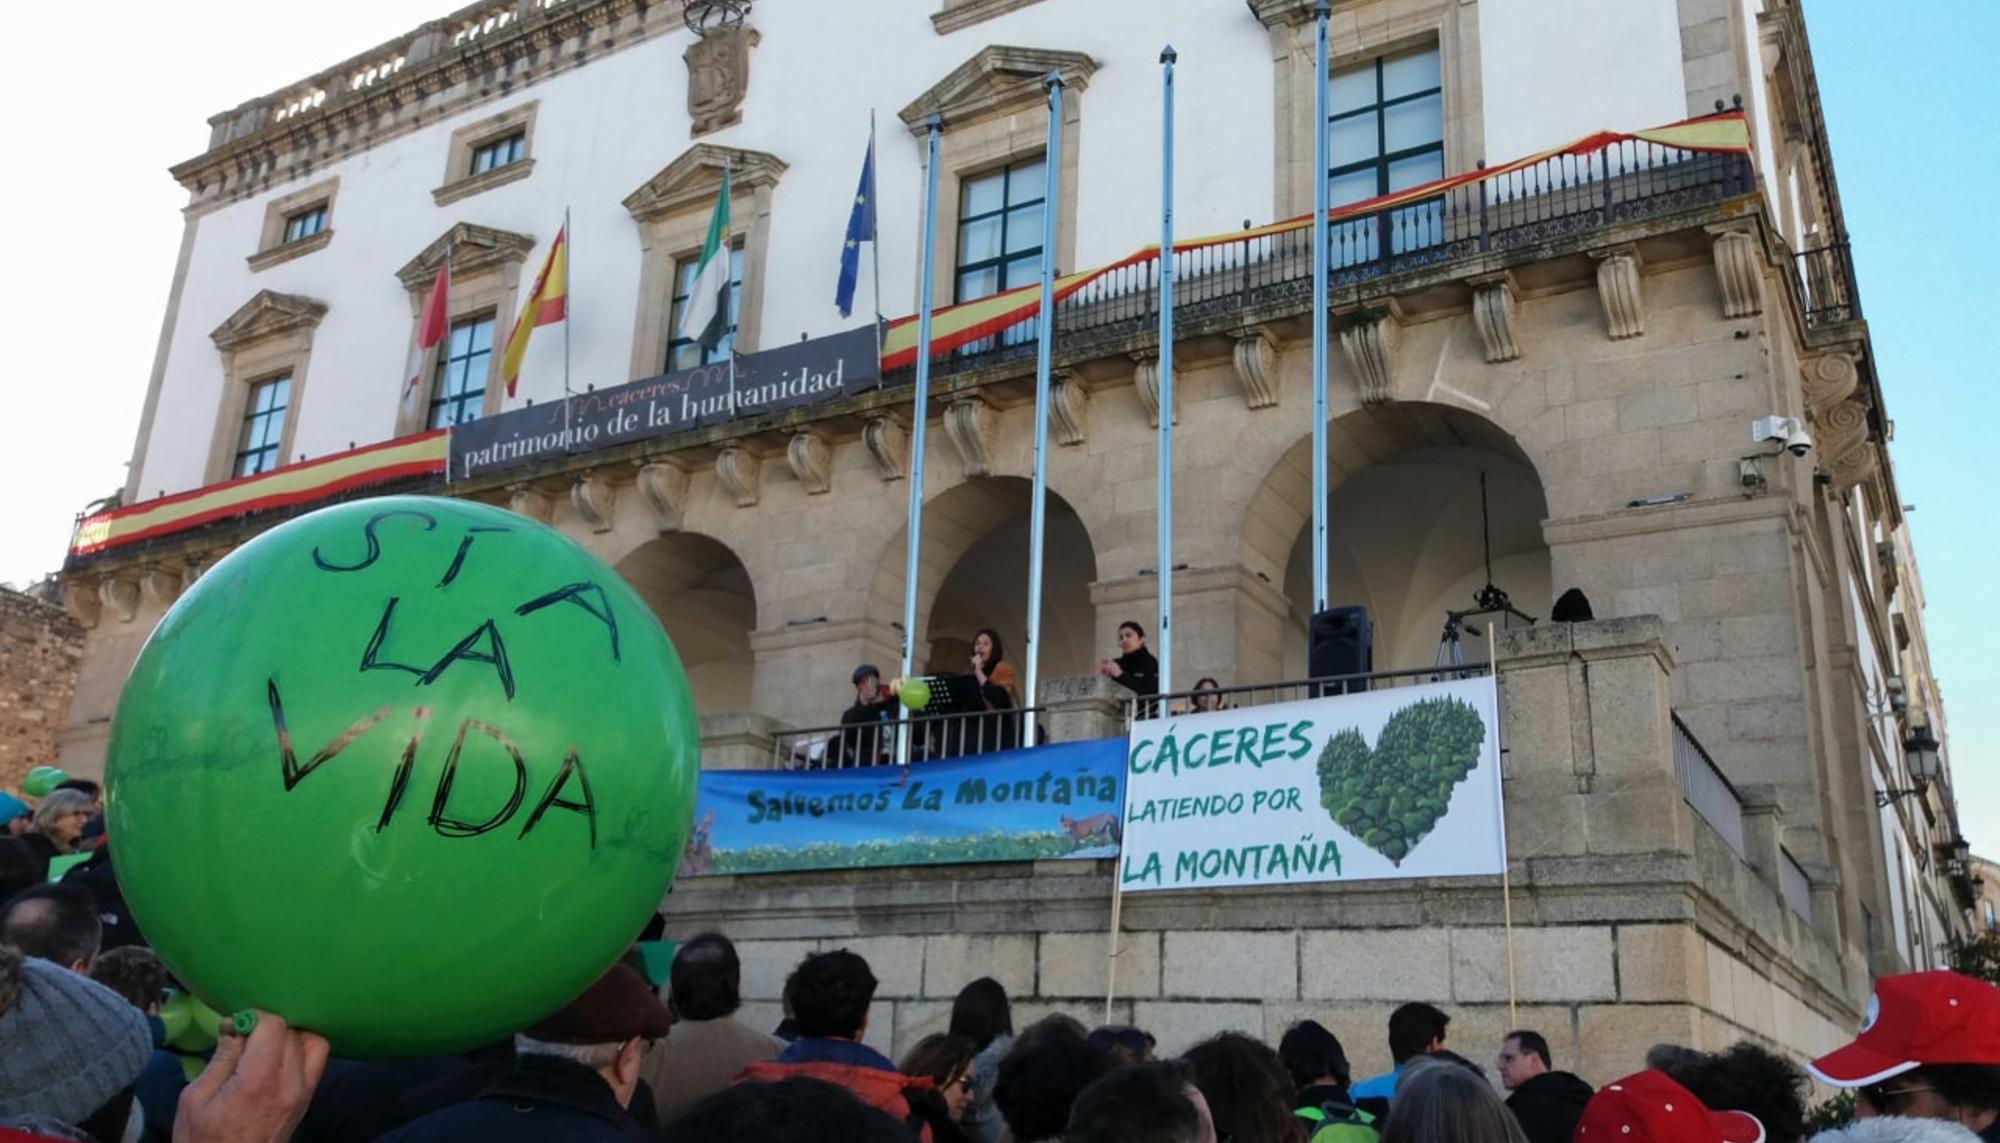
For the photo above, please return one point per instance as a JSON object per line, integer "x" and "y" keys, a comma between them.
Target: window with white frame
{"x": 459, "y": 393}
{"x": 1385, "y": 132}
{"x": 257, "y": 442}
{"x": 685, "y": 352}
{"x": 497, "y": 153}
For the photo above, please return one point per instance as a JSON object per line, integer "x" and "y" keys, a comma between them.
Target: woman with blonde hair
{"x": 57, "y": 825}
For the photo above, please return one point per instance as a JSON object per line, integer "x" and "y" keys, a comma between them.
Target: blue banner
{"x": 1062, "y": 801}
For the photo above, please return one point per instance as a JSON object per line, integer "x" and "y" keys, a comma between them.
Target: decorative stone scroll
{"x": 82, "y": 601}
{"x": 888, "y": 446}
{"x": 593, "y": 497}
{"x": 1493, "y": 314}
{"x": 812, "y": 461}
{"x": 121, "y": 595}
{"x": 1829, "y": 379}
{"x": 158, "y": 586}
{"x": 1256, "y": 361}
{"x": 1069, "y": 408}
{"x": 969, "y": 423}
{"x": 664, "y": 488}
{"x": 1618, "y": 291}
{"x": 1736, "y": 272}
{"x": 1146, "y": 381}
{"x": 1368, "y": 339}
{"x": 526, "y": 501}
{"x": 738, "y": 472}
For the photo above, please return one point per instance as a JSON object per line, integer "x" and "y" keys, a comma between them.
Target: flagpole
{"x": 1038, "y": 510}
{"x": 726, "y": 250}
{"x": 875, "y": 241}
{"x": 1166, "y": 478}
{"x": 1321, "y": 11}
{"x": 919, "y": 417}
{"x": 569, "y": 318}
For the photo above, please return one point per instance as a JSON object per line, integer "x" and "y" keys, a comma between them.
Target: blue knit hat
{"x": 12, "y": 807}
{"x": 72, "y": 1043}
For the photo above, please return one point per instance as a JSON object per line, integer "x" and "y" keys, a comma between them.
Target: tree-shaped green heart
{"x": 1393, "y": 795}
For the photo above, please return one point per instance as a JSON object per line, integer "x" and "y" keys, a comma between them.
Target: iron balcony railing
{"x": 1825, "y": 283}
{"x": 933, "y": 738}
{"x": 1560, "y": 196}
{"x": 1706, "y": 789}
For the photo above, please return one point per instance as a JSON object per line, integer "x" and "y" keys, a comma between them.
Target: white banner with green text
{"x": 1399, "y": 782}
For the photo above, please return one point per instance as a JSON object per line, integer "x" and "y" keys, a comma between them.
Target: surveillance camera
{"x": 1800, "y": 443}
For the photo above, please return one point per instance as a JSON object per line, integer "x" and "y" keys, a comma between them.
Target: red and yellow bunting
{"x": 290, "y": 486}
{"x": 955, "y": 326}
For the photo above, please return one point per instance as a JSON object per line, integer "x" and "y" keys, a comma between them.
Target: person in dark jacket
{"x": 1547, "y": 1103}
{"x": 831, "y": 994}
{"x": 1317, "y": 1063}
{"x": 573, "y": 1078}
{"x": 870, "y": 739}
{"x": 1135, "y": 668}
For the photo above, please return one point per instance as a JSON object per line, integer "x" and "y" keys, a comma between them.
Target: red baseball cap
{"x": 1918, "y": 1018}
{"x": 1650, "y": 1108}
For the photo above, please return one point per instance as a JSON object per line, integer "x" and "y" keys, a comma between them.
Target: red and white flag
{"x": 431, "y": 328}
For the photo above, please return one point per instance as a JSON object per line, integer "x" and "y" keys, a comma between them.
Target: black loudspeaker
{"x": 1341, "y": 642}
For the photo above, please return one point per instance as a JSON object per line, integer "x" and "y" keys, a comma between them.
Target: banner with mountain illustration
{"x": 1401, "y": 782}
{"x": 1049, "y": 802}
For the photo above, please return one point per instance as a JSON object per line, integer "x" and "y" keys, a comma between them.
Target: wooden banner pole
{"x": 1500, "y": 801}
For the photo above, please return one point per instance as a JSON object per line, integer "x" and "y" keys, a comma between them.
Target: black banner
{"x": 803, "y": 373}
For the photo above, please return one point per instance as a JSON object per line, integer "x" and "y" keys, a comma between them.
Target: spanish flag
{"x": 546, "y": 304}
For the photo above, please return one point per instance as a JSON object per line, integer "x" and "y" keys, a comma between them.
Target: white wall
{"x": 605, "y": 128}
{"x": 1554, "y": 70}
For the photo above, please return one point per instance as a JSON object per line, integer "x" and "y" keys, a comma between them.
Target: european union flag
{"x": 860, "y": 228}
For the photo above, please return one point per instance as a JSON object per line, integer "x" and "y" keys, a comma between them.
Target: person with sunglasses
{"x": 1929, "y": 1048}
{"x": 947, "y": 1061}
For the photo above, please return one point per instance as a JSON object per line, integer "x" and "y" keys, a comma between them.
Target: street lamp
{"x": 1920, "y": 755}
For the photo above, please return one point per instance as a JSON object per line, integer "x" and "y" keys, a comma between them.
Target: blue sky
{"x": 1913, "y": 108}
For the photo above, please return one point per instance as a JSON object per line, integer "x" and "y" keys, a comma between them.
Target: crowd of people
{"x": 91, "y": 1049}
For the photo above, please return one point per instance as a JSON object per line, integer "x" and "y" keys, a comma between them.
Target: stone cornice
{"x": 1281, "y": 13}
{"x": 474, "y": 249}
{"x": 266, "y": 314}
{"x": 996, "y": 80}
{"x": 441, "y": 69}
{"x": 692, "y": 178}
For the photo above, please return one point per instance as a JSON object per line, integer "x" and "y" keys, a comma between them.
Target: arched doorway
{"x": 1411, "y": 532}
{"x": 703, "y": 596}
{"x": 973, "y": 573}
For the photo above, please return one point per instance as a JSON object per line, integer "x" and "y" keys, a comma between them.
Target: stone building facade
{"x": 1553, "y": 386}
{"x": 41, "y": 646}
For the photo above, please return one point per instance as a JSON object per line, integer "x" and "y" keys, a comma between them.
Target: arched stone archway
{"x": 1406, "y": 536}
{"x": 703, "y": 596}
{"x": 973, "y": 573}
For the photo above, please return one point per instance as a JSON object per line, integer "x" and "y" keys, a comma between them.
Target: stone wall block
{"x": 1662, "y": 963}
{"x": 1555, "y": 963}
{"x": 1612, "y": 1039}
{"x": 1074, "y": 965}
{"x": 897, "y": 962}
{"x": 1231, "y": 966}
{"x": 1375, "y": 964}
{"x": 1179, "y": 1025}
{"x": 766, "y": 964}
{"x": 952, "y": 961}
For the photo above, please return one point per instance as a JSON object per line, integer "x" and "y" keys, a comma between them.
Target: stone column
{"x": 1082, "y": 707}
{"x": 803, "y": 670}
{"x": 1588, "y": 729}
{"x": 738, "y": 740}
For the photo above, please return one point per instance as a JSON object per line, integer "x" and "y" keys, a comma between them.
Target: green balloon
{"x": 915, "y": 694}
{"x": 408, "y": 772}
{"x": 41, "y": 781}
